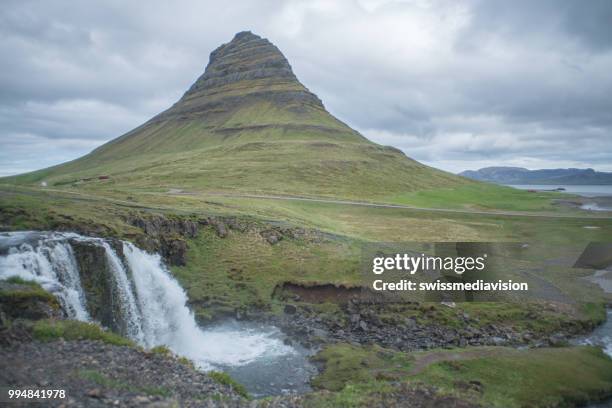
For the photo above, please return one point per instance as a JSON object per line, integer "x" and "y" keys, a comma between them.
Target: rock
{"x": 165, "y": 235}
{"x": 141, "y": 399}
{"x": 94, "y": 393}
{"x": 26, "y": 302}
{"x": 498, "y": 341}
{"x": 174, "y": 250}
{"x": 290, "y": 309}
{"x": 363, "y": 325}
{"x": 247, "y": 57}
{"x": 219, "y": 226}
{"x": 271, "y": 236}
{"x": 409, "y": 323}
{"x": 157, "y": 225}
{"x": 320, "y": 333}
{"x": 98, "y": 283}
{"x": 133, "y": 368}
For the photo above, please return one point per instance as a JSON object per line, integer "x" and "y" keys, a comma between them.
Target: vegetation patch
{"x": 48, "y": 330}
{"x": 519, "y": 378}
{"x": 20, "y": 290}
{"x": 347, "y": 364}
{"x": 226, "y": 379}
{"x": 492, "y": 376}
{"x": 107, "y": 382}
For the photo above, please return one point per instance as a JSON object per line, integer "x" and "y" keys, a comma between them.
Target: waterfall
{"x": 130, "y": 313}
{"x": 50, "y": 262}
{"x": 150, "y": 302}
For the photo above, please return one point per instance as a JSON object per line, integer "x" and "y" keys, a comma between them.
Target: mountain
{"x": 519, "y": 175}
{"x": 247, "y": 124}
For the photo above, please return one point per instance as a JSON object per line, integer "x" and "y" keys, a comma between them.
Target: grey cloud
{"x": 455, "y": 84}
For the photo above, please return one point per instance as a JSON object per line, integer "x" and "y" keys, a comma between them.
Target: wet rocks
{"x": 98, "y": 283}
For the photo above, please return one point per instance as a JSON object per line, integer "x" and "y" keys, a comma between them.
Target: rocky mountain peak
{"x": 247, "y": 70}
{"x": 248, "y": 57}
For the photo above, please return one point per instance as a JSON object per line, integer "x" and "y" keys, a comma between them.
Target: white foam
{"x": 152, "y": 303}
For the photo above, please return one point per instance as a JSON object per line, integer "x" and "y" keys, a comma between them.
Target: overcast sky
{"x": 457, "y": 85}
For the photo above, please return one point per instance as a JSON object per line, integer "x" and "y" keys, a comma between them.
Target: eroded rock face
{"x": 245, "y": 70}
{"x": 246, "y": 57}
{"x": 165, "y": 235}
{"x": 158, "y": 225}
{"x": 101, "y": 292}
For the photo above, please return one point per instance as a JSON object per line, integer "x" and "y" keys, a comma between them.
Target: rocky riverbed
{"x": 361, "y": 324}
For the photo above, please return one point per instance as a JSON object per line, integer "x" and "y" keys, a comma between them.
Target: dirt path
{"x": 409, "y": 207}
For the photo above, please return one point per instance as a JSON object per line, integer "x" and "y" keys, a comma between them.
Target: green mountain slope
{"x": 247, "y": 124}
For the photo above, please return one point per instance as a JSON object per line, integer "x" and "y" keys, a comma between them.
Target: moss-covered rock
{"x": 26, "y": 300}
{"x": 97, "y": 279}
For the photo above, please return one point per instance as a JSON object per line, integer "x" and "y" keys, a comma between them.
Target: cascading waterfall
{"x": 129, "y": 310}
{"x": 52, "y": 265}
{"x": 151, "y": 303}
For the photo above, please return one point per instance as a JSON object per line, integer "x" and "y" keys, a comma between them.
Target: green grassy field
{"x": 242, "y": 270}
{"x": 495, "y": 377}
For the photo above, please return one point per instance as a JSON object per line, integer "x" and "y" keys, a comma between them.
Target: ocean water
{"x": 583, "y": 190}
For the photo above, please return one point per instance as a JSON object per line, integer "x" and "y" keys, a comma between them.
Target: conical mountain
{"x": 247, "y": 124}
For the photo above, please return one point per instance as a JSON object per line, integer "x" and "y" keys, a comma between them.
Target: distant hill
{"x": 247, "y": 124}
{"x": 519, "y": 175}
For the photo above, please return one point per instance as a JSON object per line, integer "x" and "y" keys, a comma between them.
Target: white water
{"x": 51, "y": 265}
{"x": 152, "y": 303}
{"x": 167, "y": 320}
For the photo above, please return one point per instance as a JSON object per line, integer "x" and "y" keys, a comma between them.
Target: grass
{"x": 28, "y": 291}
{"x": 492, "y": 376}
{"x": 20, "y": 281}
{"x": 346, "y": 364}
{"x": 48, "y": 330}
{"x": 538, "y": 377}
{"x": 242, "y": 270}
{"x": 162, "y": 350}
{"x": 480, "y": 196}
{"x": 113, "y": 383}
{"x": 226, "y": 379}
{"x": 254, "y": 147}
